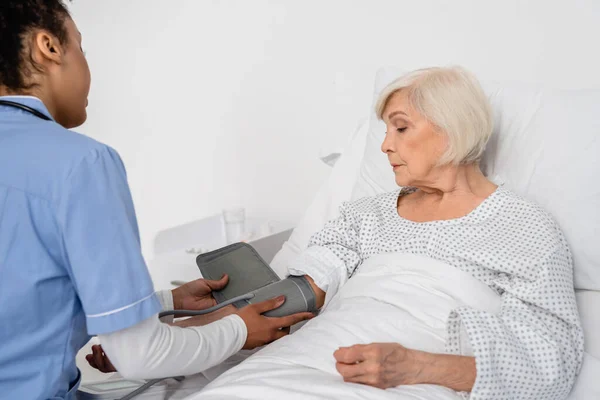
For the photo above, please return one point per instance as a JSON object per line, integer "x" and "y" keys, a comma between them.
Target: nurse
{"x": 70, "y": 259}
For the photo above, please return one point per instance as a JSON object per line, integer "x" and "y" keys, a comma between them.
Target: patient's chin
{"x": 402, "y": 181}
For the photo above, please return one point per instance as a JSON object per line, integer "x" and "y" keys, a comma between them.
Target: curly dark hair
{"x": 18, "y": 18}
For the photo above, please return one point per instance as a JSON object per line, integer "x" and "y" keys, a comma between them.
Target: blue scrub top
{"x": 70, "y": 258}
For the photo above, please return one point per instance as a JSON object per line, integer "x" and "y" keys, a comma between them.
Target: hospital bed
{"x": 545, "y": 146}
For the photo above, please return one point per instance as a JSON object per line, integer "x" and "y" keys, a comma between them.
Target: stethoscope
{"x": 25, "y": 108}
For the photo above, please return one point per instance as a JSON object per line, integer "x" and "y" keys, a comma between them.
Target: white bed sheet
{"x": 409, "y": 305}
{"x": 393, "y": 297}
{"x": 587, "y": 386}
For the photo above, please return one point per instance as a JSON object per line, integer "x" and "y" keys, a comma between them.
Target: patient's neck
{"x": 457, "y": 180}
{"x": 456, "y": 191}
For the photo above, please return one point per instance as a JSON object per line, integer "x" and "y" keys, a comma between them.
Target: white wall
{"x": 217, "y": 102}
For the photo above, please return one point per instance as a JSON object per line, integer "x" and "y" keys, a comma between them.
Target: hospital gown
{"x": 533, "y": 348}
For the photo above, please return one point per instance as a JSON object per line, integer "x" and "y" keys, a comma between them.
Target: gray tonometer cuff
{"x": 299, "y": 296}
{"x": 251, "y": 281}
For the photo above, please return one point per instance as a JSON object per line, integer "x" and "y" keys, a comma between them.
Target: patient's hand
{"x": 319, "y": 294}
{"x": 200, "y": 320}
{"x": 386, "y": 365}
{"x": 382, "y": 365}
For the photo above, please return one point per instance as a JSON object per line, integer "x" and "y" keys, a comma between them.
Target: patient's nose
{"x": 387, "y": 145}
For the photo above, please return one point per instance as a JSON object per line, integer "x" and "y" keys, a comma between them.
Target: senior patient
{"x": 438, "y": 121}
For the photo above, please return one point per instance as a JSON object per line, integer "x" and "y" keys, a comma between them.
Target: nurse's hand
{"x": 197, "y": 295}
{"x": 264, "y": 330}
{"x": 99, "y": 360}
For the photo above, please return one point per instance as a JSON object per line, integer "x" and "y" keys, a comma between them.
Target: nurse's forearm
{"x": 152, "y": 349}
{"x": 165, "y": 297}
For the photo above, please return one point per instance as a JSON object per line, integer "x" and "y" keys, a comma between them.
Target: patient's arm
{"x": 449, "y": 370}
{"x": 386, "y": 365}
{"x": 319, "y": 294}
{"x": 332, "y": 255}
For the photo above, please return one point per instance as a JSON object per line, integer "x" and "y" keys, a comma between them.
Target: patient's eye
{"x": 401, "y": 129}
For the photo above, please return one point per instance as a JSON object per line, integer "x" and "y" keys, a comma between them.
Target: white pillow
{"x": 545, "y": 146}
{"x": 325, "y": 206}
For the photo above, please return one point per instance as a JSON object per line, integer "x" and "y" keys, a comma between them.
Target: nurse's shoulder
{"x": 66, "y": 147}
{"x": 45, "y": 155}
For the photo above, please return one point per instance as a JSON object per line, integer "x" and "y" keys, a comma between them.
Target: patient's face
{"x": 413, "y": 144}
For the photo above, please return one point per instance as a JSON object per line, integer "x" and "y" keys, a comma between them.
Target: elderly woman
{"x": 438, "y": 122}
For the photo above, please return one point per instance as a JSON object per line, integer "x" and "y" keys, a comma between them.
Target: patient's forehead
{"x": 398, "y": 104}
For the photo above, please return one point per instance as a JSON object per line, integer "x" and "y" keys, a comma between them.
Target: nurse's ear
{"x": 46, "y": 49}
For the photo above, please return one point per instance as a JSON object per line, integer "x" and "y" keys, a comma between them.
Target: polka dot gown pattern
{"x": 533, "y": 348}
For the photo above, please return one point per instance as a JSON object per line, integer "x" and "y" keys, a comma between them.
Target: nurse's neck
{"x": 35, "y": 91}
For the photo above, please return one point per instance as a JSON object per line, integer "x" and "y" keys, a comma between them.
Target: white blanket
{"x": 392, "y": 298}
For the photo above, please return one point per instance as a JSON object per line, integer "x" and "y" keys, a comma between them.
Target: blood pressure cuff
{"x": 249, "y": 273}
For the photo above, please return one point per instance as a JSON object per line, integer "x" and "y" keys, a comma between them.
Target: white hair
{"x": 452, "y": 99}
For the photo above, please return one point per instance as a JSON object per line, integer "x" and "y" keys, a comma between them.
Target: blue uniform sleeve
{"x": 102, "y": 245}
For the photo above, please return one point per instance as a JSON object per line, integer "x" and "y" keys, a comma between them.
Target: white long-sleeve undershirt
{"x": 151, "y": 349}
